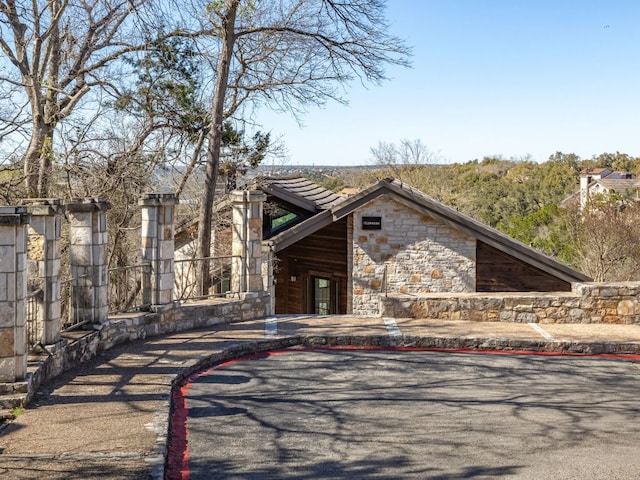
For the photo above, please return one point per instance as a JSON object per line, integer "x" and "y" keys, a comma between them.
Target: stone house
{"x": 335, "y": 255}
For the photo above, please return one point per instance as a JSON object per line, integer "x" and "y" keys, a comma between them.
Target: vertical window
{"x": 322, "y": 296}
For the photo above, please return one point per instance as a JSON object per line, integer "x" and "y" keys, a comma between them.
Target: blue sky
{"x": 490, "y": 77}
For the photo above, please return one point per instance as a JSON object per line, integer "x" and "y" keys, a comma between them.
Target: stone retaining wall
{"x": 586, "y": 303}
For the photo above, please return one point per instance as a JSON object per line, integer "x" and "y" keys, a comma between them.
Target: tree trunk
{"x": 214, "y": 142}
{"x": 37, "y": 160}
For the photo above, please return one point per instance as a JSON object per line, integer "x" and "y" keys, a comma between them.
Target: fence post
{"x": 246, "y": 246}
{"x": 88, "y": 260}
{"x": 45, "y": 252}
{"x": 158, "y": 247}
{"x": 13, "y": 287}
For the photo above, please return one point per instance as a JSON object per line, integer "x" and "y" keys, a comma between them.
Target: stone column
{"x": 13, "y": 287}
{"x": 158, "y": 247}
{"x": 88, "y": 260}
{"x": 44, "y": 241}
{"x": 246, "y": 247}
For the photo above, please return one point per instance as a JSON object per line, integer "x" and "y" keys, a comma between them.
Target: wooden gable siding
{"x": 323, "y": 253}
{"x": 497, "y": 271}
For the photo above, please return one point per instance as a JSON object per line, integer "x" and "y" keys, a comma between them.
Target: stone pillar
{"x": 13, "y": 287}
{"x": 246, "y": 246}
{"x": 88, "y": 260}
{"x": 158, "y": 246}
{"x": 44, "y": 250}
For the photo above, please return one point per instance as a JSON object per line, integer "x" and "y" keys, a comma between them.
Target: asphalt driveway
{"x": 352, "y": 414}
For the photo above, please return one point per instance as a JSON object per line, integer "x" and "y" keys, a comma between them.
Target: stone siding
{"x": 411, "y": 253}
{"x": 586, "y": 303}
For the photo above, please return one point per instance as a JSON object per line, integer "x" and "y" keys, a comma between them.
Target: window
{"x": 321, "y": 296}
{"x": 280, "y": 218}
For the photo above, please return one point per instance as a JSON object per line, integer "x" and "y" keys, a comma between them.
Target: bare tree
{"x": 606, "y": 240}
{"x": 55, "y": 52}
{"x": 288, "y": 55}
{"x": 403, "y": 161}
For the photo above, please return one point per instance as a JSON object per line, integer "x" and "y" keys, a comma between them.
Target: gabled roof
{"x": 299, "y": 191}
{"x": 433, "y": 208}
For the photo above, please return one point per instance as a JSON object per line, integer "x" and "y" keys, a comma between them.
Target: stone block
{"x": 54, "y": 268}
{"x": 19, "y": 341}
{"x": 526, "y": 317}
{"x": 8, "y": 315}
{"x": 627, "y": 307}
{"x": 166, "y": 249}
{"x": 7, "y": 342}
{"x": 609, "y": 292}
{"x": 7, "y": 259}
{"x": 20, "y": 367}
{"x": 8, "y": 369}
{"x": 148, "y": 228}
{"x": 506, "y": 316}
{"x": 11, "y": 287}
{"x": 166, "y": 282}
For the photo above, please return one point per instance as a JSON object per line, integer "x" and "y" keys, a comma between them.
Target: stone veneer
{"x": 13, "y": 288}
{"x": 246, "y": 243}
{"x": 88, "y": 259}
{"x": 158, "y": 247}
{"x": 617, "y": 303}
{"x": 411, "y": 254}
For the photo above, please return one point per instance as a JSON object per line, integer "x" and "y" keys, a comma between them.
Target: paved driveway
{"x": 347, "y": 414}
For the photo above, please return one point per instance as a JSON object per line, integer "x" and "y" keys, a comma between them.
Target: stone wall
{"x": 410, "y": 253}
{"x": 586, "y": 303}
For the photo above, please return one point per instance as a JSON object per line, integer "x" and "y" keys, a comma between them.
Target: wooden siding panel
{"x": 497, "y": 271}
{"x": 323, "y": 252}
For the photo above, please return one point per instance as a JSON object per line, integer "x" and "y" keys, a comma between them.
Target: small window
{"x": 281, "y": 217}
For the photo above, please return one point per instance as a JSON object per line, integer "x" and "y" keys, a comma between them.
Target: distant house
{"x": 337, "y": 255}
{"x": 595, "y": 182}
